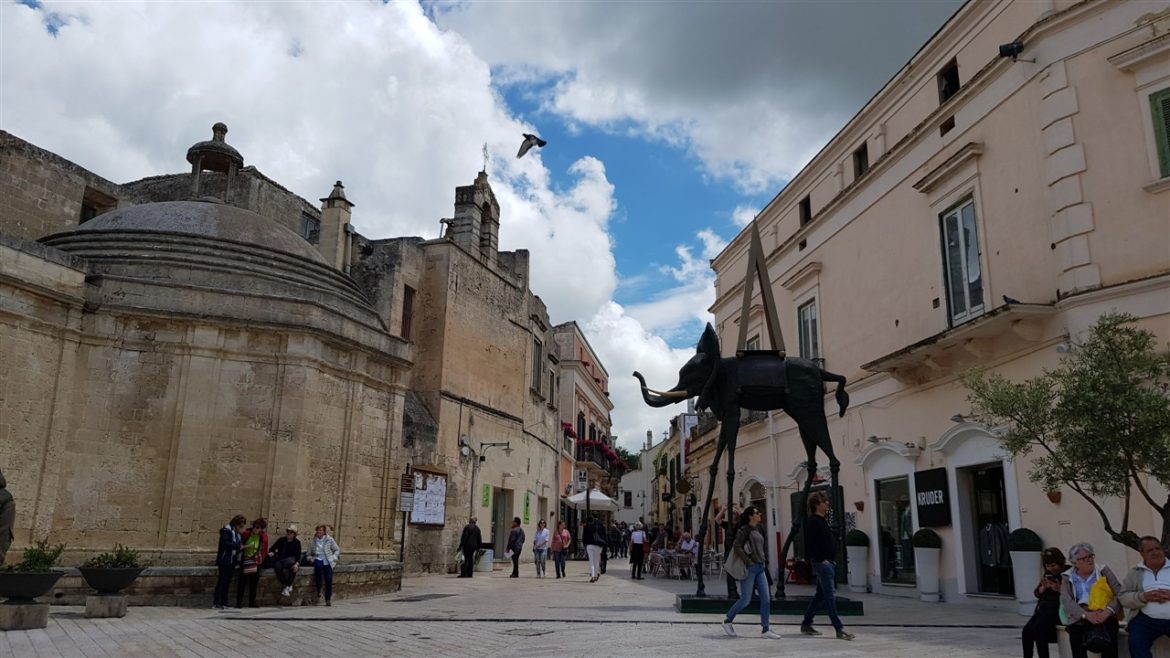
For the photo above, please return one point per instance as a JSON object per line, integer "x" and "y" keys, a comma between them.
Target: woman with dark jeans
{"x": 1040, "y": 631}
{"x": 637, "y": 552}
{"x": 253, "y": 549}
{"x": 324, "y": 552}
{"x": 749, "y": 547}
{"x": 226, "y": 557}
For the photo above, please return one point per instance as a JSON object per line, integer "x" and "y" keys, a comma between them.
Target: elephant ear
{"x": 709, "y": 342}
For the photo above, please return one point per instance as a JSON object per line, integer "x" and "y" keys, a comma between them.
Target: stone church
{"x": 186, "y": 347}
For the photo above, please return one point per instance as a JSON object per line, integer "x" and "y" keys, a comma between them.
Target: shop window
{"x": 895, "y": 528}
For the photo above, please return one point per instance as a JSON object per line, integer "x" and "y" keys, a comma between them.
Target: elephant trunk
{"x": 660, "y": 399}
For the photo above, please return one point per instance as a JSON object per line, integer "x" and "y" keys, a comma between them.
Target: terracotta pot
{"x": 1054, "y": 496}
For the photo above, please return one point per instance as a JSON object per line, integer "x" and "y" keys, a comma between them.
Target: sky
{"x": 669, "y": 125}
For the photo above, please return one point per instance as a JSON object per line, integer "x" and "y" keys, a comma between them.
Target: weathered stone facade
{"x": 168, "y": 362}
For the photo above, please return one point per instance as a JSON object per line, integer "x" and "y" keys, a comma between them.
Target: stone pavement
{"x": 493, "y": 615}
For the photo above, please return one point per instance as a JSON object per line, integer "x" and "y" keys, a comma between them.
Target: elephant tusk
{"x": 670, "y": 395}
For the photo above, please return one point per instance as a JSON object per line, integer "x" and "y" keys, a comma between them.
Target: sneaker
{"x": 808, "y": 630}
{"x": 843, "y": 635}
{"x": 329, "y": 604}
{"x": 217, "y": 607}
{"x": 728, "y": 628}
{"x": 770, "y": 634}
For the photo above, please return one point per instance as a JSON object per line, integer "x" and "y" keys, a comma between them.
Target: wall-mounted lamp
{"x": 1013, "y": 50}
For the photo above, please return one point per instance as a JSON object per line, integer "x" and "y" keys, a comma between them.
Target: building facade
{"x": 985, "y": 206}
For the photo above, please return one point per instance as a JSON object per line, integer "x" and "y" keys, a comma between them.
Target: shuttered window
{"x": 1160, "y": 111}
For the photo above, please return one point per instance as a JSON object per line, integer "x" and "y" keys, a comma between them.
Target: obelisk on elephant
{"x": 759, "y": 381}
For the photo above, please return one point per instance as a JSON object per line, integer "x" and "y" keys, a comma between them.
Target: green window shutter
{"x": 1160, "y": 111}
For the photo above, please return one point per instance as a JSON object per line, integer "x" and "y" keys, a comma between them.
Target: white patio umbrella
{"x": 597, "y": 501}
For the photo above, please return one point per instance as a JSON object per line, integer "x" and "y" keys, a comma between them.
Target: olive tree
{"x": 1098, "y": 424}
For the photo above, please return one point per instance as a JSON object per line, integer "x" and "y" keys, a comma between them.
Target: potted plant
{"x": 927, "y": 545}
{"x": 1025, "y": 546}
{"x": 34, "y": 575}
{"x": 857, "y": 550}
{"x": 110, "y": 573}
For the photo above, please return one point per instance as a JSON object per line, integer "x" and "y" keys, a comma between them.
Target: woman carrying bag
{"x": 748, "y": 563}
{"x": 1088, "y": 598}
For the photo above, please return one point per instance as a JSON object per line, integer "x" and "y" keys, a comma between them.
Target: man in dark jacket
{"x": 818, "y": 544}
{"x": 226, "y": 557}
{"x": 469, "y": 543}
{"x": 515, "y": 544}
{"x": 7, "y": 517}
{"x": 286, "y": 559}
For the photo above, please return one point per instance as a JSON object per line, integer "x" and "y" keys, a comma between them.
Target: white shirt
{"x": 689, "y": 545}
{"x": 1152, "y": 581}
{"x": 540, "y": 541}
{"x": 637, "y": 537}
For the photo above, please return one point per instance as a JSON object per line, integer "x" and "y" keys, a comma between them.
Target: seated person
{"x": 1146, "y": 588}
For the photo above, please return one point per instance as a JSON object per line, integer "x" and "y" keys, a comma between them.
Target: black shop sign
{"x": 932, "y": 495}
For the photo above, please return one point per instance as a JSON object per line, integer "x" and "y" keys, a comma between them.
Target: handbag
{"x": 249, "y": 566}
{"x": 734, "y": 566}
{"x": 1097, "y": 638}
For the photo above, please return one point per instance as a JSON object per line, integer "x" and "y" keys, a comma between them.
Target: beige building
{"x": 981, "y": 209}
{"x": 186, "y": 347}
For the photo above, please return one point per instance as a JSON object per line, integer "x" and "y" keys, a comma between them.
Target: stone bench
{"x": 193, "y": 586}
{"x": 1064, "y": 649}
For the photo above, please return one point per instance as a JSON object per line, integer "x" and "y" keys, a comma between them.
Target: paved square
{"x": 493, "y": 615}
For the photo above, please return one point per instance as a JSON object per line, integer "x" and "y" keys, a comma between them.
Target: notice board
{"x": 430, "y": 499}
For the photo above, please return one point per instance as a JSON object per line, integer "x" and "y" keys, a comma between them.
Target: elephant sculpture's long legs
{"x": 714, "y": 470}
{"x": 797, "y": 527}
{"x": 729, "y": 516}
{"x": 813, "y": 434}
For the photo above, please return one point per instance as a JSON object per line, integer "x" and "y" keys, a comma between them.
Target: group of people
{"x": 243, "y": 551}
{"x": 1089, "y": 600}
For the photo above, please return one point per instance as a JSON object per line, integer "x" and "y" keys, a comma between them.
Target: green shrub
{"x": 926, "y": 538}
{"x": 856, "y": 538}
{"x": 39, "y": 558}
{"x": 1023, "y": 539}
{"x": 121, "y": 558}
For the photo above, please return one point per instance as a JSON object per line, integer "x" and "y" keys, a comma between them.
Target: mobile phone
{"x": 1051, "y": 577}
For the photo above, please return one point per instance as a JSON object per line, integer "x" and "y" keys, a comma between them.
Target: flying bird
{"x": 528, "y": 143}
{"x": 1011, "y": 300}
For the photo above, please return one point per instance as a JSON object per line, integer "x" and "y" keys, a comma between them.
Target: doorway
{"x": 988, "y": 563}
{"x": 501, "y": 519}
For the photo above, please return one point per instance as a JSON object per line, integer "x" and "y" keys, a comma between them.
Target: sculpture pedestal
{"x": 23, "y": 616}
{"x": 105, "y": 605}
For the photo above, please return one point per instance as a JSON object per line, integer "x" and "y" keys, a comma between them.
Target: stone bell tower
{"x": 476, "y": 225}
{"x": 216, "y": 156}
{"x": 336, "y": 231}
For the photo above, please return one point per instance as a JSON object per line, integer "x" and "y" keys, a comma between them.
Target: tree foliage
{"x": 1098, "y": 424}
{"x": 632, "y": 459}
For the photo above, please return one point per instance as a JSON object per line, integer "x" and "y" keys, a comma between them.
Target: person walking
{"x": 822, "y": 555}
{"x": 1076, "y": 587}
{"x": 637, "y": 552}
{"x": 540, "y": 543}
{"x": 594, "y": 547}
{"x": 7, "y": 517}
{"x": 515, "y": 545}
{"x": 252, "y": 551}
{"x": 286, "y": 559}
{"x": 226, "y": 557}
{"x": 1147, "y": 589}
{"x": 469, "y": 543}
{"x": 561, "y": 541}
{"x": 1040, "y": 631}
{"x": 324, "y": 552}
{"x": 749, "y": 547}
{"x": 613, "y": 539}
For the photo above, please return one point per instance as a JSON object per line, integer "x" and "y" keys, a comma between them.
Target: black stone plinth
{"x": 793, "y": 605}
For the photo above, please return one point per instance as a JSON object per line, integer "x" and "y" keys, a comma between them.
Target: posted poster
{"x": 430, "y": 499}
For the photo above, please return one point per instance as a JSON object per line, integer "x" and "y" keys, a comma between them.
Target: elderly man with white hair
{"x": 1147, "y": 590}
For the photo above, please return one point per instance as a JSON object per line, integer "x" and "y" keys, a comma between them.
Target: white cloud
{"x": 743, "y": 215}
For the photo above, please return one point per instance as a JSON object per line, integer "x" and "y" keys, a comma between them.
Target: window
{"x": 94, "y": 203}
{"x": 948, "y": 81}
{"x": 810, "y": 345}
{"x": 895, "y": 528}
{"x": 753, "y": 343}
{"x": 627, "y": 499}
{"x": 552, "y": 387}
{"x": 537, "y": 360}
{"x": 1160, "y": 111}
{"x": 860, "y": 161}
{"x": 961, "y": 262}
{"x": 407, "y": 311}
{"x": 310, "y": 228}
{"x": 580, "y": 425}
{"x": 805, "y": 210}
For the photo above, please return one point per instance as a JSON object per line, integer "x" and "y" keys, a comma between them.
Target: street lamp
{"x": 466, "y": 449}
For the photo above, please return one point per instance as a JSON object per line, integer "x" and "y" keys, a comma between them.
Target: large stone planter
{"x": 20, "y": 587}
{"x": 109, "y": 581}
{"x": 1025, "y": 572}
{"x": 858, "y": 568}
{"x": 926, "y": 569}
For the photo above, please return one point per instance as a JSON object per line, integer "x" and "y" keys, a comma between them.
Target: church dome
{"x": 216, "y": 249}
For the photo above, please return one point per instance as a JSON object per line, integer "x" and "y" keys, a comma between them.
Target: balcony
{"x": 592, "y": 455}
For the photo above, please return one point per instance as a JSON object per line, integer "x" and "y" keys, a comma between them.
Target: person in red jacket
{"x": 254, "y": 546}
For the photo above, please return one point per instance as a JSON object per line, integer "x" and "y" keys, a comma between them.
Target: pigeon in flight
{"x": 529, "y": 142}
{"x": 1011, "y": 300}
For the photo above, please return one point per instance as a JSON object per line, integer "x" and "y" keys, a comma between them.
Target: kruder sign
{"x": 932, "y": 495}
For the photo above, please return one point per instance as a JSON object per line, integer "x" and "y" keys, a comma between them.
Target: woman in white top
{"x": 540, "y": 543}
{"x": 637, "y": 551}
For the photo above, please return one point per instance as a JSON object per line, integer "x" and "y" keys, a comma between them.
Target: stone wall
{"x": 193, "y": 586}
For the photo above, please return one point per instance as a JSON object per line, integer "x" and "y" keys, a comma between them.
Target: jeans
{"x": 284, "y": 571}
{"x": 219, "y": 597}
{"x": 559, "y": 562}
{"x": 756, "y": 580}
{"x": 541, "y": 557}
{"x": 826, "y": 573}
{"x": 1143, "y": 632}
{"x": 322, "y": 571}
{"x": 594, "y": 552}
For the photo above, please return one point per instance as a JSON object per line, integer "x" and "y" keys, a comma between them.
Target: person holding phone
{"x": 1040, "y": 631}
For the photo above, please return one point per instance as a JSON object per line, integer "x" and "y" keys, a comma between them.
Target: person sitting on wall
{"x": 1147, "y": 590}
{"x": 1040, "y": 631}
{"x": 286, "y": 559}
{"x": 1076, "y": 585}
